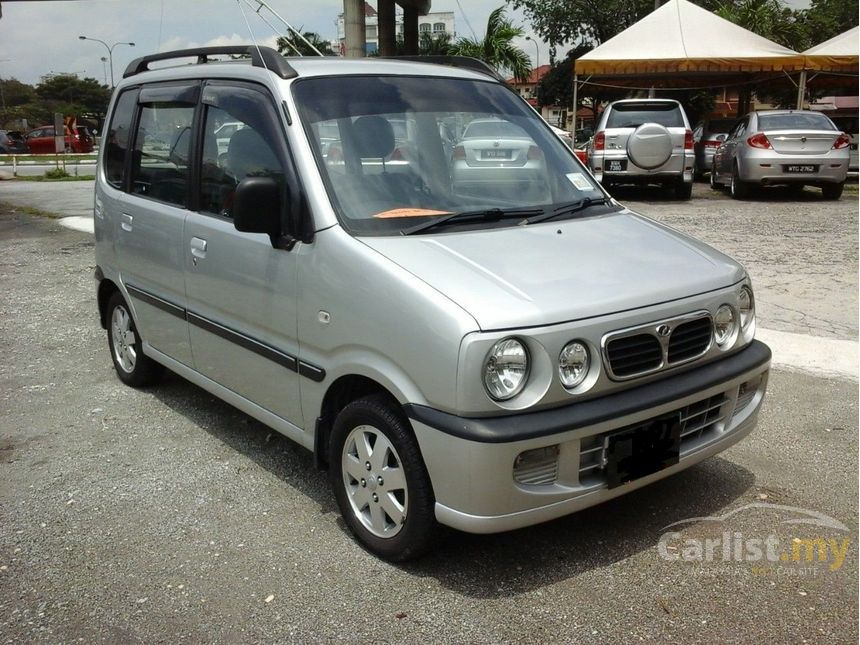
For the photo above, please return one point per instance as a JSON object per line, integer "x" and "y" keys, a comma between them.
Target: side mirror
{"x": 257, "y": 206}
{"x": 722, "y": 137}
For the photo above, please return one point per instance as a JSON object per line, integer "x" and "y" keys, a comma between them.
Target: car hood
{"x": 523, "y": 276}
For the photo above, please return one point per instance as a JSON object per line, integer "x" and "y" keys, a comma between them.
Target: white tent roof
{"x": 845, "y": 44}
{"x": 838, "y": 55}
{"x": 682, "y": 37}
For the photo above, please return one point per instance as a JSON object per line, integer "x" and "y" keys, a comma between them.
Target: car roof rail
{"x": 265, "y": 57}
{"x": 464, "y": 62}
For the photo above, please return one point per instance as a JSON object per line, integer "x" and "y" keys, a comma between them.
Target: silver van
{"x": 477, "y": 359}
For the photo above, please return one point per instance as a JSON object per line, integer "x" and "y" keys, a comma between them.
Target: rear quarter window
{"x": 632, "y": 115}
{"x": 118, "y": 136}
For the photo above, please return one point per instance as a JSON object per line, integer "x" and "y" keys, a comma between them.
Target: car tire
{"x": 738, "y": 188}
{"x": 683, "y": 190}
{"x": 379, "y": 480}
{"x": 832, "y": 191}
{"x": 133, "y": 367}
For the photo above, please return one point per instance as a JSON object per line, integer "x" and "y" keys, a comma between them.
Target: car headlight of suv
{"x": 725, "y": 326}
{"x": 506, "y": 369}
{"x": 746, "y": 307}
{"x": 573, "y": 362}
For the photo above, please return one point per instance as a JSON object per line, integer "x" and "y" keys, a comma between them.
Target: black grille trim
{"x": 689, "y": 340}
{"x": 634, "y": 354}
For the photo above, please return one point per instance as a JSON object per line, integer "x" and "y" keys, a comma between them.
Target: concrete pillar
{"x": 387, "y": 27}
{"x": 410, "y": 30}
{"x": 353, "y": 27}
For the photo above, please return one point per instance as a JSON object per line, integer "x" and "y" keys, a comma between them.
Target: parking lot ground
{"x": 164, "y": 515}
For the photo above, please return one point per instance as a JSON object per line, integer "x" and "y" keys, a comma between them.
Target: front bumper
{"x": 471, "y": 461}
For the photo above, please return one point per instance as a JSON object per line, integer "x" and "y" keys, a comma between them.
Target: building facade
{"x": 436, "y": 23}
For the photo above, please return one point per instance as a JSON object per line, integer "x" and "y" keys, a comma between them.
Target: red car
{"x": 41, "y": 140}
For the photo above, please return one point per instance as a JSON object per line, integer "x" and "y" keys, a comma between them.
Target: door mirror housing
{"x": 722, "y": 137}
{"x": 257, "y": 206}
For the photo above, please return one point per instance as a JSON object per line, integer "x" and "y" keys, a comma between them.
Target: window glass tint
{"x": 161, "y": 152}
{"x": 632, "y": 115}
{"x": 237, "y": 143}
{"x": 397, "y": 152}
{"x": 719, "y": 126}
{"x": 794, "y": 121}
{"x": 118, "y": 136}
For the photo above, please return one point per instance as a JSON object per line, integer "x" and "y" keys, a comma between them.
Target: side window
{"x": 240, "y": 129}
{"x": 162, "y": 145}
{"x": 118, "y": 136}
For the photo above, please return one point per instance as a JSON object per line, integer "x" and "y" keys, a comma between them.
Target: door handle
{"x": 125, "y": 222}
{"x": 198, "y": 249}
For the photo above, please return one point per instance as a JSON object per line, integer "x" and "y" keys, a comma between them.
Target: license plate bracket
{"x": 640, "y": 451}
{"x": 801, "y": 168}
{"x": 615, "y": 165}
{"x": 497, "y": 154}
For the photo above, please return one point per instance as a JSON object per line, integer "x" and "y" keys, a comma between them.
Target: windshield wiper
{"x": 484, "y": 214}
{"x": 567, "y": 209}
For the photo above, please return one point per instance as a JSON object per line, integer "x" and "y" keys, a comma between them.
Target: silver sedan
{"x": 791, "y": 147}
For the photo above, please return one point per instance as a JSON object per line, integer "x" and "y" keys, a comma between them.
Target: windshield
{"x": 396, "y": 152}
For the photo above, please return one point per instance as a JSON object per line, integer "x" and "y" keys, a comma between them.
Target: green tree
{"x": 72, "y": 95}
{"x": 827, "y": 18}
{"x": 497, "y": 48}
{"x": 287, "y": 45}
{"x": 768, "y": 18}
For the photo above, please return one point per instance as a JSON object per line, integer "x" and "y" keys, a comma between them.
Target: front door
{"x": 241, "y": 291}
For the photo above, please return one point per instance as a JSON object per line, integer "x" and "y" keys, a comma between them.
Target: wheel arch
{"x": 106, "y": 289}
{"x": 342, "y": 391}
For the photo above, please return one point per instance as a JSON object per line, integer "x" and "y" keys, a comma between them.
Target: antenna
{"x": 250, "y": 31}
{"x": 262, "y": 4}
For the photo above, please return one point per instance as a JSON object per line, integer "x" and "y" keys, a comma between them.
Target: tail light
{"x": 711, "y": 144}
{"x": 535, "y": 153}
{"x": 459, "y": 153}
{"x": 842, "y": 141}
{"x": 688, "y": 140}
{"x": 760, "y": 140}
{"x": 397, "y": 155}
{"x": 600, "y": 141}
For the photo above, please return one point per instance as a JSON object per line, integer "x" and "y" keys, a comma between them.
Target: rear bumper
{"x": 680, "y": 164}
{"x": 769, "y": 167}
{"x": 471, "y": 461}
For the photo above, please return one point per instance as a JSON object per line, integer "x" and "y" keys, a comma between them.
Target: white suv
{"x": 644, "y": 141}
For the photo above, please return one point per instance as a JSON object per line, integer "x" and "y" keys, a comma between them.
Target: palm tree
{"x": 497, "y": 48}
{"x": 287, "y": 45}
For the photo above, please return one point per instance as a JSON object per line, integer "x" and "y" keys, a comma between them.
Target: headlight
{"x": 573, "y": 364}
{"x": 725, "y": 326}
{"x": 746, "y": 306}
{"x": 506, "y": 369}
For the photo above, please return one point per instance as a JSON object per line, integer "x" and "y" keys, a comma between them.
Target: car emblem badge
{"x": 663, "y": 330}
{"x": 495, "y": 144}
{"x": 802, "y": 139}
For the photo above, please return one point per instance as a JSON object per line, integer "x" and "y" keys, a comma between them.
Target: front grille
{"x": 689, "y": 339}
{"x": 634, "y": 354}
{"x": 697, "y": 420}
{"x": 657, "y": 346}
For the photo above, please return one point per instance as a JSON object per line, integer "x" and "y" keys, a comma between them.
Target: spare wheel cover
{"x": 650, "y": 146}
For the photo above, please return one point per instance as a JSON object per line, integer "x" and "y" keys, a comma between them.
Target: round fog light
{"x": 725, "y": 325}
{"x": 573, "y": 364}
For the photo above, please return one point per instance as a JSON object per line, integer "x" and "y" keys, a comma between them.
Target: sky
{"x": 41, "y": 37}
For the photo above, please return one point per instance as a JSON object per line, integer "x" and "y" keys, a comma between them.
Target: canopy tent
{"x": 682, "y": 38}
{"x": 839, "y": 54}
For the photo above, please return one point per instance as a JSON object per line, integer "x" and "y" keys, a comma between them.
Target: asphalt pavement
{"x": 165, "y": 515}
